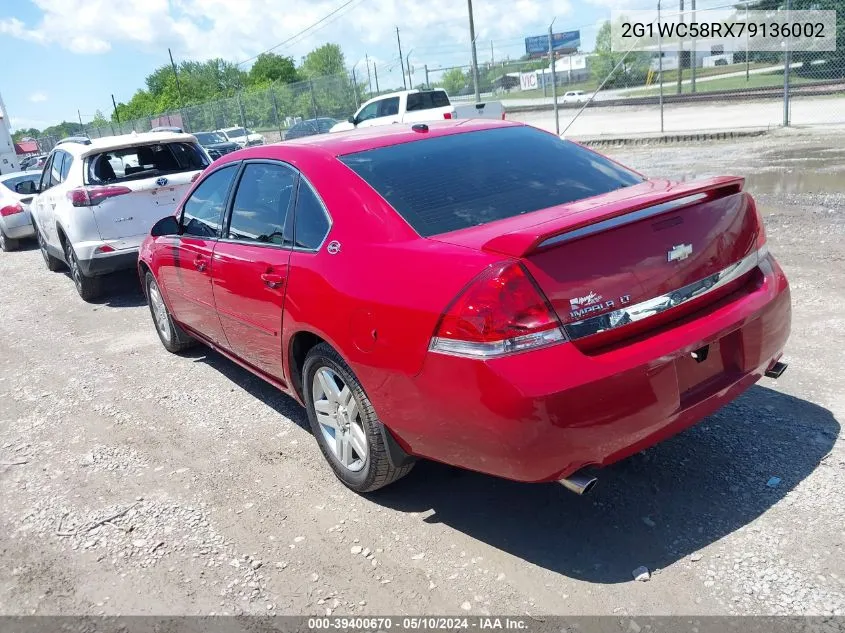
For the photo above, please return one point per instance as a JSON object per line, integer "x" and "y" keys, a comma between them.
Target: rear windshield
{"x": 144, "y": 161}
{"x": 453, "y": 182}
{"x": 11, "y": 183}
{"x": 237, "y": 132}
{"x": 427, "y": 100}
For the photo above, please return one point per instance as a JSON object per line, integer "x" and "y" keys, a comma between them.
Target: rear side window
{"x": 145, "y": 161}
{"x": 202, "y": 214}
{"x": 388, "y": 107}
{"x": 453, "y": 182}
{"x": 311, "y": 222}
{"x": 261, "y": 204}
{"x": 427, "y": 100}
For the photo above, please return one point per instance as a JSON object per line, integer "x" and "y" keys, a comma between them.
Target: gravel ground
{"x": 134, "y": 481}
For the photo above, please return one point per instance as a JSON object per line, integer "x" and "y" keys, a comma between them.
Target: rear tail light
{"x": 447, "y": 115}
{"x": 761, "y": 229}
{"x": 500, "y": 312}
{"x": 11, "y": 209}
{"x": 503, "y": 115}
{"x": 92, "y": 196}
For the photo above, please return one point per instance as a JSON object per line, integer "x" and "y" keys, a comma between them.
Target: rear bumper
{"x": 18, "y": 226}
{"x": 543, "y": 415}
{"x": 94, "y": 262}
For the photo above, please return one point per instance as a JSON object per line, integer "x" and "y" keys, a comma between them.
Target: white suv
{"x": 97, "y": 200}
{"x": 242, "y": 136}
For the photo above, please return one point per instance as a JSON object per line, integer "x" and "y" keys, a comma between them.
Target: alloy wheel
{"x": 73, "y": 264}
{"x": 339, "y": 419}
{"x": 159, "y": 311}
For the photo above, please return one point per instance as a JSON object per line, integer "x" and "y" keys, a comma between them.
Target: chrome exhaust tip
{"x": 776, "y": 370}
{"x": 578, "y": 483}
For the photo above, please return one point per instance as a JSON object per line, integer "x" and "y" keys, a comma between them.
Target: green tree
{"x": 326, "y": 60}
{"x": 632, "y": 71}
{"x": 99, "y": 120}
{"x": 29, "y": 132}
{"x": 453, "y": 81}
{"x": 269, "y": 68}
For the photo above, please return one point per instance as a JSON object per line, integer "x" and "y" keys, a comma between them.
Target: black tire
{"x": 54, "y": 264}
{"x": 173, "y": 337}
{"x": 377, "y": 470}
{"x": 89, "y": 288}
{"x": 7, "y": 243}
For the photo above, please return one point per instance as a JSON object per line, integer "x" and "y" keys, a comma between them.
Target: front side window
{"x": 45, "y": 175}
{"x": 389, "y": 107}
{"x": 369, "y": 111}
{"x": 311, "y": 223}
{"x": 202, "y": 214}
{"x": 261, "y": 204}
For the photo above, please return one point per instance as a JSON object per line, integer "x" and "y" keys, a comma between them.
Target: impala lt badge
{"x": 679, "y": 253}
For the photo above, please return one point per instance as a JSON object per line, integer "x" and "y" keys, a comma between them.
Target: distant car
{"x": 97, "y": 201}
{"x": 242, "y": 136}
{"x": 167, "y": 128}
{"x": 16, "y": 192}
{"x": 216, "y": 144}
{"x": 33, "y": 162}
{"x": 574, "y": 96}
{"x": 481, "y": 293}
{"x": 310, "y": 127}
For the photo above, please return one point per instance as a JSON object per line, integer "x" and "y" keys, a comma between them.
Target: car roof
{"x": 98, "y": 145}
{"x": 366, "y": 138}
{"x": 229, "y": 129}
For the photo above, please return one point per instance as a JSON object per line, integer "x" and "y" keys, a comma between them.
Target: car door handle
{"x": 272, "y": 281}
{"x": 200, "y": 263}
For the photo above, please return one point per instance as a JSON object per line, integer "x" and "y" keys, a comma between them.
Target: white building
{"x": 8, "y": 158}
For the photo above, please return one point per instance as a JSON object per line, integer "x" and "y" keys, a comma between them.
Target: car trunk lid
{"x": 147, "y": 200}
{"x": 600, "y": 254}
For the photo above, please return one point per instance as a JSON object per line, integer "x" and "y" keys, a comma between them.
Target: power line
{"x": 302, "y": 32}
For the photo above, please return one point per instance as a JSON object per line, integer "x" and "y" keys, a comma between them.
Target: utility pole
{"x": 116, "y": 113}
{"x": 492, "y": 58}
{"x": 176, "y": 75}
{"x": 660, "y": 63}
{"x": 369, "y": 79}
{"x": 554, "y": 79}
{"x": 355, "y": 87}
{"x": 747, "y": 69}
{"x": 401, "y": 60}
{"x": 787, "y": 62}
{"x": 375, "y": 72}
{"x": 693, "y": 58}
{"x": 474, "y": 55}
{"x": 681, "y": 52}
{"x": 80, "y": 121}
{"x": 427, "y": 85}
{"x": 408, "y": 64}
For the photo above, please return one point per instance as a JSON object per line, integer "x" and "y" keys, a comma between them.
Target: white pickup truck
{"x": 413, "y": 106}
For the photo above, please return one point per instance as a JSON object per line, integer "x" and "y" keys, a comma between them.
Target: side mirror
{"x": 352, "y": 120}
{"x": 168, "y": 225}
{"x": 26, "y": 188}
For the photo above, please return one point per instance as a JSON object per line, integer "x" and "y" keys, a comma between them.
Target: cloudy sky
{"x": 60, "y": 56}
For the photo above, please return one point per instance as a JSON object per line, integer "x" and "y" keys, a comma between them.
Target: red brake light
{"x": 11, "y": 209}
{"x": 761, "y": 229}
{"x": 503, "y": 115}
{"x": 500, "y": 312}
{"x": 92, "y": 196}
{"x": 447, "y": 115}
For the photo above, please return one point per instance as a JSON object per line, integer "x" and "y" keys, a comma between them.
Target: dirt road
{"x": 134, "y": 481}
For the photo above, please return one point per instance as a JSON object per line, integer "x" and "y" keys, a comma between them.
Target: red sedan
{"x": 484, "y": 294}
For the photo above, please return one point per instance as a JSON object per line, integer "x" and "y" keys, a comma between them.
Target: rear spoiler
{"x": 598, "y": 214}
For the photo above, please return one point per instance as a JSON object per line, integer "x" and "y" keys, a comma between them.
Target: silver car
{"x": 16, "y": 192}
